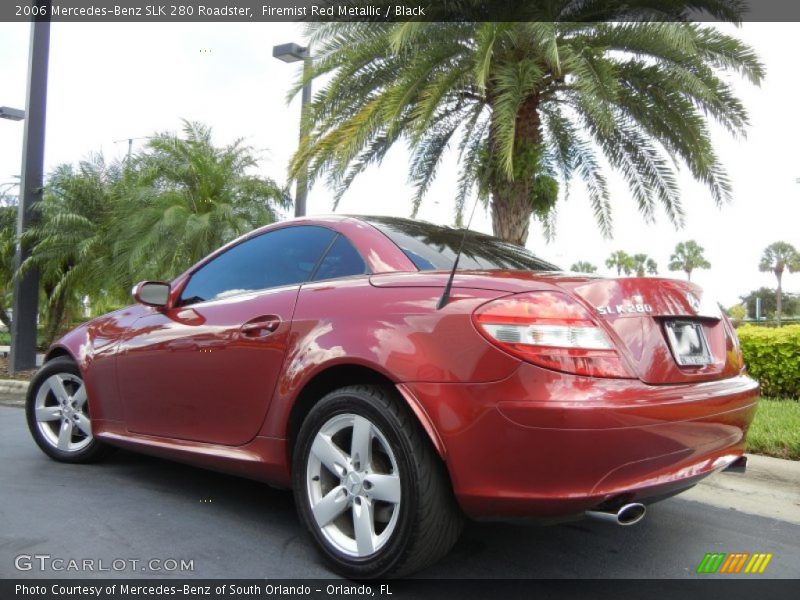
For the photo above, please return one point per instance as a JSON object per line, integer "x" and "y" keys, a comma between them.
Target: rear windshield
{"x": 433, "y": 248}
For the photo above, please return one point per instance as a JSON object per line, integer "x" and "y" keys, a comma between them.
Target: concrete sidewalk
{"x": 770, "y": 487}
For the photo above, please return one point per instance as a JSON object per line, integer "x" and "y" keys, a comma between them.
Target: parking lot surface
{"x": 136, "y": 508}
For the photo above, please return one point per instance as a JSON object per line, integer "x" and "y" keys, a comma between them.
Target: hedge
{"x": 772, "y": 357}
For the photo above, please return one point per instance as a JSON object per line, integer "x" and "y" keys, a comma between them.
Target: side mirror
{"x": 151, "y": 293}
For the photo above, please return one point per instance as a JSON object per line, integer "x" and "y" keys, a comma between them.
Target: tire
{"x": 384, "y": 508}
{"x": 57, "y": 411}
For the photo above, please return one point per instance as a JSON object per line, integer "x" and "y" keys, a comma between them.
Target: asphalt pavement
{"x": 139, "y": 509}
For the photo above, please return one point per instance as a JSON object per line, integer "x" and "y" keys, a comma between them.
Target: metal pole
{"x": 26, "y": 287}
{"x": 301, "y": 194}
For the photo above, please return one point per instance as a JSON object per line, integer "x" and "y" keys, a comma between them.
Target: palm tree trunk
{"x": 54, "y": 322}
{"x": 778, "y": 299}
{"x": 511, "y": 198}
{"x": 510, "y": 219}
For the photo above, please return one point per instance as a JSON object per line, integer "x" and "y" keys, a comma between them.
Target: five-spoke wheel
{"x": 370, "y": 487}
{"x": 353, "y": 485}
{"x": 58, "y": 413}
{"x": 61, "y": 415}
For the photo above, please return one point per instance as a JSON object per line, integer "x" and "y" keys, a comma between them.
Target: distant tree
{"x": 688, "y": 256}
{"x": 69, "y": 243}
{"x": 621, "y": 261}
{"x": 737, "y": 313}
{"x": 103, "y": 227}
{"x": 199, "y": 196}
{"x": 767, "y": 296}
{"x": 777, "y": 258}
{"x": 583, "y": 266}
{"x": 644, "y": 265}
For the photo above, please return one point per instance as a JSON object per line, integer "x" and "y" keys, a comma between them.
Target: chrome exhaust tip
{"x": 627, "y": 514}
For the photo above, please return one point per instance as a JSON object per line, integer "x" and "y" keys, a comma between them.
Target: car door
{"x": 206, "y": 368}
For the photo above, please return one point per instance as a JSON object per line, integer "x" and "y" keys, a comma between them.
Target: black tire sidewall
{"x": 355, "y": 401}
{"x": 58, "y": 365}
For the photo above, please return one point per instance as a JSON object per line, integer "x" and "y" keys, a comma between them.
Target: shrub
{"x": 737, "y": 313}
{"x": 772, "y": 357}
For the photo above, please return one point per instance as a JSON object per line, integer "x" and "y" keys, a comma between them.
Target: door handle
{"x": 260, "y": 326}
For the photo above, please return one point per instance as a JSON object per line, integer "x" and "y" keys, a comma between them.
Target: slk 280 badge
{"x": 625, "y": 309}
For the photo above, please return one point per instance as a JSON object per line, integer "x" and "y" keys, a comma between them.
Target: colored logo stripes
{"x": 736, "y": 562}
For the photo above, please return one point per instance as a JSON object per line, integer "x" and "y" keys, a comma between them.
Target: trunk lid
{"x": 636, "y": 313}
{"x": 639, "y": 312}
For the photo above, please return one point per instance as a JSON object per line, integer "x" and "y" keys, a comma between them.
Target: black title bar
{"x": 737, "y": 588}
{"x": 397, "y": 10}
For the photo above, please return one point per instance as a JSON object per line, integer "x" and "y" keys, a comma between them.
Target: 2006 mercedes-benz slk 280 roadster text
{"x": 347, "y": 358}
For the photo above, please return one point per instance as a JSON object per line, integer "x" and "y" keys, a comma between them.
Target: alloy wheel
{"x": 353, "y": 485}
{"x": 61, "y": 413}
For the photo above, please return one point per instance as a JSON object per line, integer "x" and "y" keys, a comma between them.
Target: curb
{"x": 12, "y": 392}
{"x": 13, "y": 386}
{"x": 770, "y": 488}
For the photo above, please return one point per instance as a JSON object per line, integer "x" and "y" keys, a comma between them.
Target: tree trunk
{"x": 778, "y": 298}
{"x": 55, "y": 319}
{"x": 510, "y": 219}
{"x": 688, "y": 274}
{"x": 512, "y": 205}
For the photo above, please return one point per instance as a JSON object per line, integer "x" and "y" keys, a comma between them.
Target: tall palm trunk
{"x": 511, "y": 198}
{"x": 778, "y": 297}
{"x": 55, "y": 320}
{"x": 510, "y": 219}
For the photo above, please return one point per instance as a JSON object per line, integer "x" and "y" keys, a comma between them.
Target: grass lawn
{"x": 776, "y": 429}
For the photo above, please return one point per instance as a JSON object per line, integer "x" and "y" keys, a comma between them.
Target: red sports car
{"x": 332, "y": 356}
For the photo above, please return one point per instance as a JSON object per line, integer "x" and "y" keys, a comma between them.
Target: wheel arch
{"x": 342, "y": 375}
{"x": 57, "y": 351}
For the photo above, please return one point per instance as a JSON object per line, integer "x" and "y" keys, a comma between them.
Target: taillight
{"x": 730, "y": 332}
{"x": 551, "y": 330}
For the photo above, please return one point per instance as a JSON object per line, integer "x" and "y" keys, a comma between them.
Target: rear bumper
{"x": 549, "y": 445}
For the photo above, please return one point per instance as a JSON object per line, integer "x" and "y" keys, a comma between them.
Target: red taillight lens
{"x": 730, "y": 332}
{"x": 551, "y": 330}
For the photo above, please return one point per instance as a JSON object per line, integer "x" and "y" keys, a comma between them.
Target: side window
{"x": 283, "y": 257}
{"x": 342, "y": 260}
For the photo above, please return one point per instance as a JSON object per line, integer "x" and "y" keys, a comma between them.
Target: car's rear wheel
{"x": 370, "y": 487}
{"x": 58, "y": 415}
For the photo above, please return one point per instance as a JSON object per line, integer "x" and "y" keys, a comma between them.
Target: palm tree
{"x": 688, "y": 256}
{"x": 621, "y": 261}
{"x": 583, "y": 266}
{"x": 777, "y": 258}
{"x": 183, "y": 197}
{"x": 644, "y": 265}
{"x": 529, "y": 103}
{"x": 69, "y": 243}
{"x": 103, "y": 227}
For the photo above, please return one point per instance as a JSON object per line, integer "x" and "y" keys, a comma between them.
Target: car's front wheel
{"x": 57, "y": 410}
{"x": 370, "y": 487}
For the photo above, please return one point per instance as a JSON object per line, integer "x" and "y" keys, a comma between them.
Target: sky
{"x": 111, "y": 82}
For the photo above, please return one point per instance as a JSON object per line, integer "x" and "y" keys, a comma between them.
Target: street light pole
{"x": 293, "y": 53}
{"x": 26, "y": 287}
